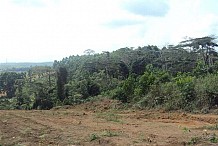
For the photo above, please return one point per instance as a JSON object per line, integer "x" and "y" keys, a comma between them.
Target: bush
{"x": 119, "y": 94}
{"x": 145, "y": 81}
{"x": 174, "y": 95}
{"x": 73, "y": 100}
{"x": 207, "y": 91}
{"x": 166, "y": 95}
{"x": 125, "y": 91}
{"x": 186, "y": 86}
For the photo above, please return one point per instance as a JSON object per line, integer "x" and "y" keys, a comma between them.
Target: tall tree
{"x": 61, "y": 81}
{"x": 89, "y": 52}
{"x": 8, "y": 82}
{"x": 204, "y": 46}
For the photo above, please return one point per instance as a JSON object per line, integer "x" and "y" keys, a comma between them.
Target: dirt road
{"x": 83, "y": 125}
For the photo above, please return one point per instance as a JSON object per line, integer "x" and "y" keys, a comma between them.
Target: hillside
{"x": 181, "y": 77}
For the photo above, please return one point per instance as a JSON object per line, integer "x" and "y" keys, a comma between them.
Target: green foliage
{"x": 213, "y": 138}
{"x": 125, "y": 91}
{"x": 6, "y": 104}
{"x": 25, "y": 98}
{"x": 194, "y": 140}
{"x": 93, "y": 88}
{"x": 88, "y": 88}
{"x": 145, "y": 81}
{"x": 109, "y": 133}
{"x": 119, "y": 94}
{"x": 171, "y": 78}
{"x": 33, "y": 90}
{"x": 9, "y": 81}
{"x": 186, "y": 130}
{"x": 207, "y": 91}
{"x": 166, "y": 95}
{"x": 109, "y": 116}
{"x": 129, "y": 85}
{"x": 133, "y": 88}
{"x": 212, "y": 127}
{"x": 93, "y": 137}
{"x": 186, "y": 86}
{"x": 61, "y": 81}
{"x": 200, "y": 69}
{"x": 171, "y": 95}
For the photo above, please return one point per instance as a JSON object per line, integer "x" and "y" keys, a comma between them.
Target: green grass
{"x": 194, "y": 140}
{"x": 213, "y": 127}
{"x": 109, "y": 116}
{"x": 186, "y": 130}
{"x": 109, "y": 133}
{"x": 93, "y": 136}
{"x": 213, "y": 138}
{"x": 105, "y": 133}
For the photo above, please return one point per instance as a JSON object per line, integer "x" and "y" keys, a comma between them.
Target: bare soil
{"x": 104, "y": 123}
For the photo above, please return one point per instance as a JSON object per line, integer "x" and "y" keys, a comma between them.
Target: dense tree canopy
{"x": 172, "y": 77}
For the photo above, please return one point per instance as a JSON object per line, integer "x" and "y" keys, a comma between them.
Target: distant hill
{"x": 23, "y": 66}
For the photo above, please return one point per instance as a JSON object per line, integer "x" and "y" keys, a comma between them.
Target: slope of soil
{"x": 98, "y": 123}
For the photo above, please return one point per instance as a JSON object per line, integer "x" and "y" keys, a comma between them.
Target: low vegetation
{"x": 109, "y": 116}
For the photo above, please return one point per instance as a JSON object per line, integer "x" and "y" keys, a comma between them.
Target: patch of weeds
{"x": 109, "y": 133}
{"x": 42, "y": 136}
{"x": 194, "y": 140}
{"x": 65, "y": 113}
{"x": 93, "y": 137}
{"x": 109, "y": 116}
{"x": 106, "y": 133}
{"x": 142, "y": 137}
{"x": 135, "y": 141}
{"x": 186, "y": 130}
{"x": 26, "y": 131}
{"x": 213, "y": 127}
{"x": 213, "y": 138}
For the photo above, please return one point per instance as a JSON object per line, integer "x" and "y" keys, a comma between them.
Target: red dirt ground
{"x": 99, "y": 123}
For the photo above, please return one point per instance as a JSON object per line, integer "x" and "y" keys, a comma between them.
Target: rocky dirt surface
{"x": 106, "y": 123}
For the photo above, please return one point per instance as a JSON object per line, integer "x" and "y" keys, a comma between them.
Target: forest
{"x": 21, "y": 67}
{"x": 175, "y": 77}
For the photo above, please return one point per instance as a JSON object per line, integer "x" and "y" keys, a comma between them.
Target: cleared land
{"x": 98, "y": 123}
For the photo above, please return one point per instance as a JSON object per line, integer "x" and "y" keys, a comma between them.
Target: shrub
{"x": 207, "y": 91}
{"x": 174, "y": 95}
{"x": 119, "y": 94}
{"x": 166, "y": 95}
{"x": 125, "y": 91}
{"x": 186, "y": 86}
{"x": 93, "y": 137}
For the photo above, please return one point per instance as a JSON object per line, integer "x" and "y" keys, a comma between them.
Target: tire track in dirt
{"x": 46, "y": 127}
{"x": 22, "y": 130}
{"x": 77, "y": 126}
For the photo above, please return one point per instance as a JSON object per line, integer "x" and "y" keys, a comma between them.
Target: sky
{"x": 48, "y": 30}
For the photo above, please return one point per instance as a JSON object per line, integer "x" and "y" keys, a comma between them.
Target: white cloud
{"x": 183, "y": 19}
{"x": 147, "y": 7}
{"x": 45, "y": 30}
